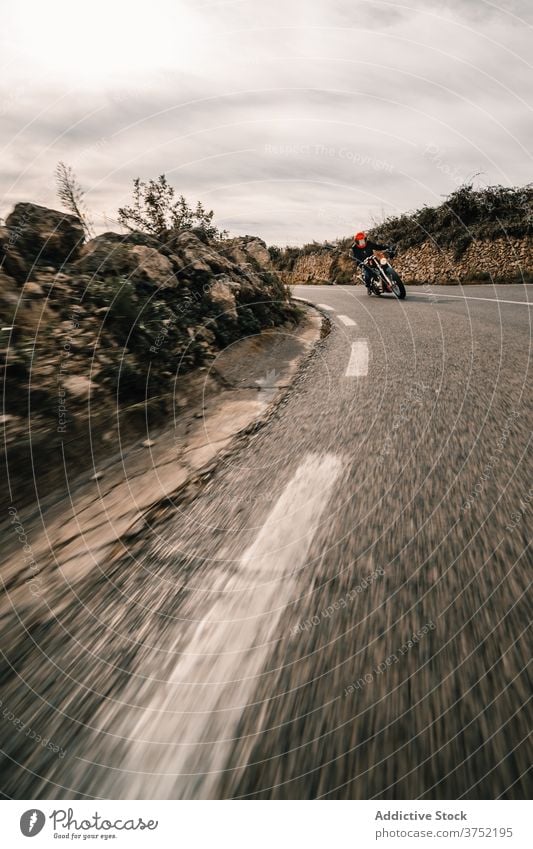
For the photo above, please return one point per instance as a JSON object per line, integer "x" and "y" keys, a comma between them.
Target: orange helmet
{"x": 360, "y": 238}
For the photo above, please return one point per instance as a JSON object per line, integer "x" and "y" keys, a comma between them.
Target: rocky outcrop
{"x": 44, "y": 235}
{"x": 224, "y": 292}
{"x": 247, "y": 249}
{"x": 193, "y": 258}
{"x": 110, "y": 256}
{"x": 97, "y": 334}
{"x": 11, "y": 261}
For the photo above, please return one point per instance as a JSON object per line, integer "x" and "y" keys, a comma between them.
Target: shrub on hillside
{"x": 467, "y": 214}
{"x": 154, "y": 209}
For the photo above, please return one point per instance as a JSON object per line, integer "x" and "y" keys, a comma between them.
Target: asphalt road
{"x": 342, "y": 612}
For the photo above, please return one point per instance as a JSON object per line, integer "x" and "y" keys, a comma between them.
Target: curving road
{"x": 342, "y": 612}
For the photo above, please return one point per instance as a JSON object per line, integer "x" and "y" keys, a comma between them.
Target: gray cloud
{"x": 296, "y": 121}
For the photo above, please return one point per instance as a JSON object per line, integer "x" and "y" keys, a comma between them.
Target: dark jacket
{"x": 360, "y": 254}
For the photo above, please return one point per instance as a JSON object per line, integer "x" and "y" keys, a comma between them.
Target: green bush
{"x": 467, "y": 214}
{"x": 155, "y": 208}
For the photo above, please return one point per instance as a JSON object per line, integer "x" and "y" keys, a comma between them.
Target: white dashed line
{"x": 224, "y": 647}
{"x": 349, "y": 322}
{"x": 470, "y": 298}
{"x": 358, "y": 364}
{"x": 326, "y": 307}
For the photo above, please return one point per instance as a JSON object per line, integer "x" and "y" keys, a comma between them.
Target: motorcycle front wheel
{"x": 397, "y": 286}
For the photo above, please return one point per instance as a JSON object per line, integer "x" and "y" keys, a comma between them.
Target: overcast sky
{"x": 294, "y": 119}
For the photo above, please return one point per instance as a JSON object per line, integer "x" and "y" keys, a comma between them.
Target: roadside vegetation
{"x": 155, "y": 208}
{"x": 467, "y": 214}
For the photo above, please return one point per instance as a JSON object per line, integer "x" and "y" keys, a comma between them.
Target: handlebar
{"x": 391, "y": 251}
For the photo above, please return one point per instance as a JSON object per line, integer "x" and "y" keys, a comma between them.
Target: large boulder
{"x": 11, "y": 261}
{"x": 223, "y": 291}
{"x": 133, "y": 237}
{"x": 134, "y": 257}
{"x": 153, "y": 267}
{"x": 24, "y": 309}
{"x": 197, "y": 258}
{"x": 247, "y": 249}
{"x": 43, "y": 235}
{"x": 9, "y": 296}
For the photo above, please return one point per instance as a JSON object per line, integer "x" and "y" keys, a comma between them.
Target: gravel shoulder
{"x": 76, "y": 528}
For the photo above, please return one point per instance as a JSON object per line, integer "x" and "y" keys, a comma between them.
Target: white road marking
{"x": 326, "y": 307}
{"x": 217, "y": 652}
{"x": 470, "y": 298}
{"x": 358, "y": 363}
{"x": 349, "y": 322}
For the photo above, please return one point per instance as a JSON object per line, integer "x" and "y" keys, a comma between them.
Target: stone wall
{"x": 321, "y": 267}
{"x": 312, "y": 268}
{"x": 503, "y": 261}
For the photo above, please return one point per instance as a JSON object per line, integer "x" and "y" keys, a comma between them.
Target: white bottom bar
{"x": 267, "y": 825}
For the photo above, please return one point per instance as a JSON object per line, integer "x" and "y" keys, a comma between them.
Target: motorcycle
{"x": 383, "y": 273}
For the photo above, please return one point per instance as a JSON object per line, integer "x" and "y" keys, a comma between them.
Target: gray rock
{"x": 11, "y": 261}
{"x": 197, "y": 257}
{"x": 222, "y": 292}
{"x": 135, "y": 237}
{"x": 245, "y": 249}
{"x": 79, "y": 385}
{"x": 32, "y": 289}
{"x": 112, "y": 257}
{"x": 42, "y": 235}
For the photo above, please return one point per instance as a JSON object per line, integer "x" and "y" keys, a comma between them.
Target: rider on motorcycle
{"x": 360, "y": 250}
